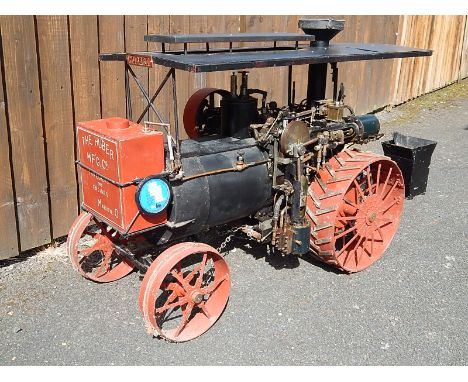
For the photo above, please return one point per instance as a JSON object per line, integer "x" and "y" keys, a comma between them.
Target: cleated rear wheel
{"x": 354, "y": 208}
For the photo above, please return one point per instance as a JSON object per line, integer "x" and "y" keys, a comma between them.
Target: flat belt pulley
{"x": 196, "y": 111}
{"x": 296, "y": 132}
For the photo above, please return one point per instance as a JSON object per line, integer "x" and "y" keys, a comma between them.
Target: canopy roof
{"x": 267, "y": 55}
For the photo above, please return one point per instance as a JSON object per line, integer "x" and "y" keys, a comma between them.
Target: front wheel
{"x": 92, "y": 252}
{"x": 184, "y": 291}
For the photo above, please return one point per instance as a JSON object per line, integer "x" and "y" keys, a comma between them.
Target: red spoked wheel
{"x": 354, "y": 208}
{"x": 92, "y": 253}
{"x": 184, "y": 291}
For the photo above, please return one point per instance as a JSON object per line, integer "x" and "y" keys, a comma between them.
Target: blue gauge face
{"x": 154, "y": 196}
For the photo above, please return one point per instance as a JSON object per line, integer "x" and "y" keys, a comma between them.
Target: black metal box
{"x": 413, "y": 156}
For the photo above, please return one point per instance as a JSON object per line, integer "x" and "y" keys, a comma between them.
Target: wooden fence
{"x": 51, "y": 78}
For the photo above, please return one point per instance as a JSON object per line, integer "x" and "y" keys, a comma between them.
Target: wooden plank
{"x": 452, "y": 51}
{"x": 419, "y": 68}
{"x": 85, "y": 67}
{"x": 459, "y": 26}
{"x": 84, "y": 52}
{"x": 212, "y": 24}
{"x": 136, "y": 27}
{"x": 52, "y": 32}
{"x": 367, "y": 84}
{"x": 397, "y": 68}
{"x": 280, "y": 75}
{"x": 463, "y": 73}
{"x": 159, "y": 25}
{"x": 271, "y": 80}
{"x": 9, "y": 242}
{"x": 199, "y": 24}
{"x": 180, "y": 24}
{"x": 300, "y": 72}
{"x": 407, "y": 64}
{"x": 442, "y": 34}
{"x": 26, "y": 130}
{"x": 112, "y": 39}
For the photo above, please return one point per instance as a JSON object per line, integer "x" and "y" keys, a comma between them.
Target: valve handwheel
{"x": 92, "y": 253}
{"x": 184, "y": 291}
{"x": 354, "y": 208}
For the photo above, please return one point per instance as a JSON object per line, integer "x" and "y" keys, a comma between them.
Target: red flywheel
{"x": 196, "y": 104}
{"x": 354, "y": 208}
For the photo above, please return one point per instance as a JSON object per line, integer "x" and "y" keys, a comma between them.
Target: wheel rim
{"x": 92, "y": 253}
{"x": 185, "y": 291}
{"x": 354, "y": 208}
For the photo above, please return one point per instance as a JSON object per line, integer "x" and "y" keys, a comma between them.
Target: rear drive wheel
{"x": 354, "y": 208}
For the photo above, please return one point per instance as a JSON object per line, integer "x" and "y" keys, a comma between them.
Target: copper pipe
{"x": 223, "y": 170}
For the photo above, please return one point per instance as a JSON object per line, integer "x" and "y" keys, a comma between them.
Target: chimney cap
{"x": 323, "y": 29}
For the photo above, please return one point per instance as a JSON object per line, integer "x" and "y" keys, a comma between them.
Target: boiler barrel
{"x": 216, "y": 199}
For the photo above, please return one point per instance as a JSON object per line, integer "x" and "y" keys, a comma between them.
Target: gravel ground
{"x": 410, "y": 308}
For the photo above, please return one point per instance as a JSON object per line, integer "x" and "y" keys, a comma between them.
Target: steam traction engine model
{"x": 282, "y": 175}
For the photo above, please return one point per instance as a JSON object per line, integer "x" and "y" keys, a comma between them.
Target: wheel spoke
{"x": 358, "y": 188}
{"x": 386, "y": 181}
{"x": 104, "y": 264}
{"x": 369, "y": 183}
{"x": 169, "y": 300}
{"x": 380, "y": 233}
{"x": 212, "y": 287}
{"x": 391, "y": 190}
{"x": 189, "y": 277}
{"x": 346, "y": 258}
{"x": 91, "y": 233}
{"x": 367, "y": 252}
{"x": 385, "y": 223}
{"x": 356, "y": 249}
{"x": 357, "y": 256}
{"x": 347, "y": 218}
{"x": 386, "y": 220}
{"x": 388, "y": 206}
{"x": 354, "y": 227}
{"x": 347, "y": 201}
{"x": 346, "y": 245}
{"x": 352, "y": 205}
{"x": 377, "y": 179}
{"x": 88, "y": 251}
{"x": 179, "y": 278}
{"x": 185, "y": 319}
{"x": 203, "y": 308}
{"x": 175, "y": 287}
{"x": 202, "y": 271}
{"x": 171, "y": 305}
